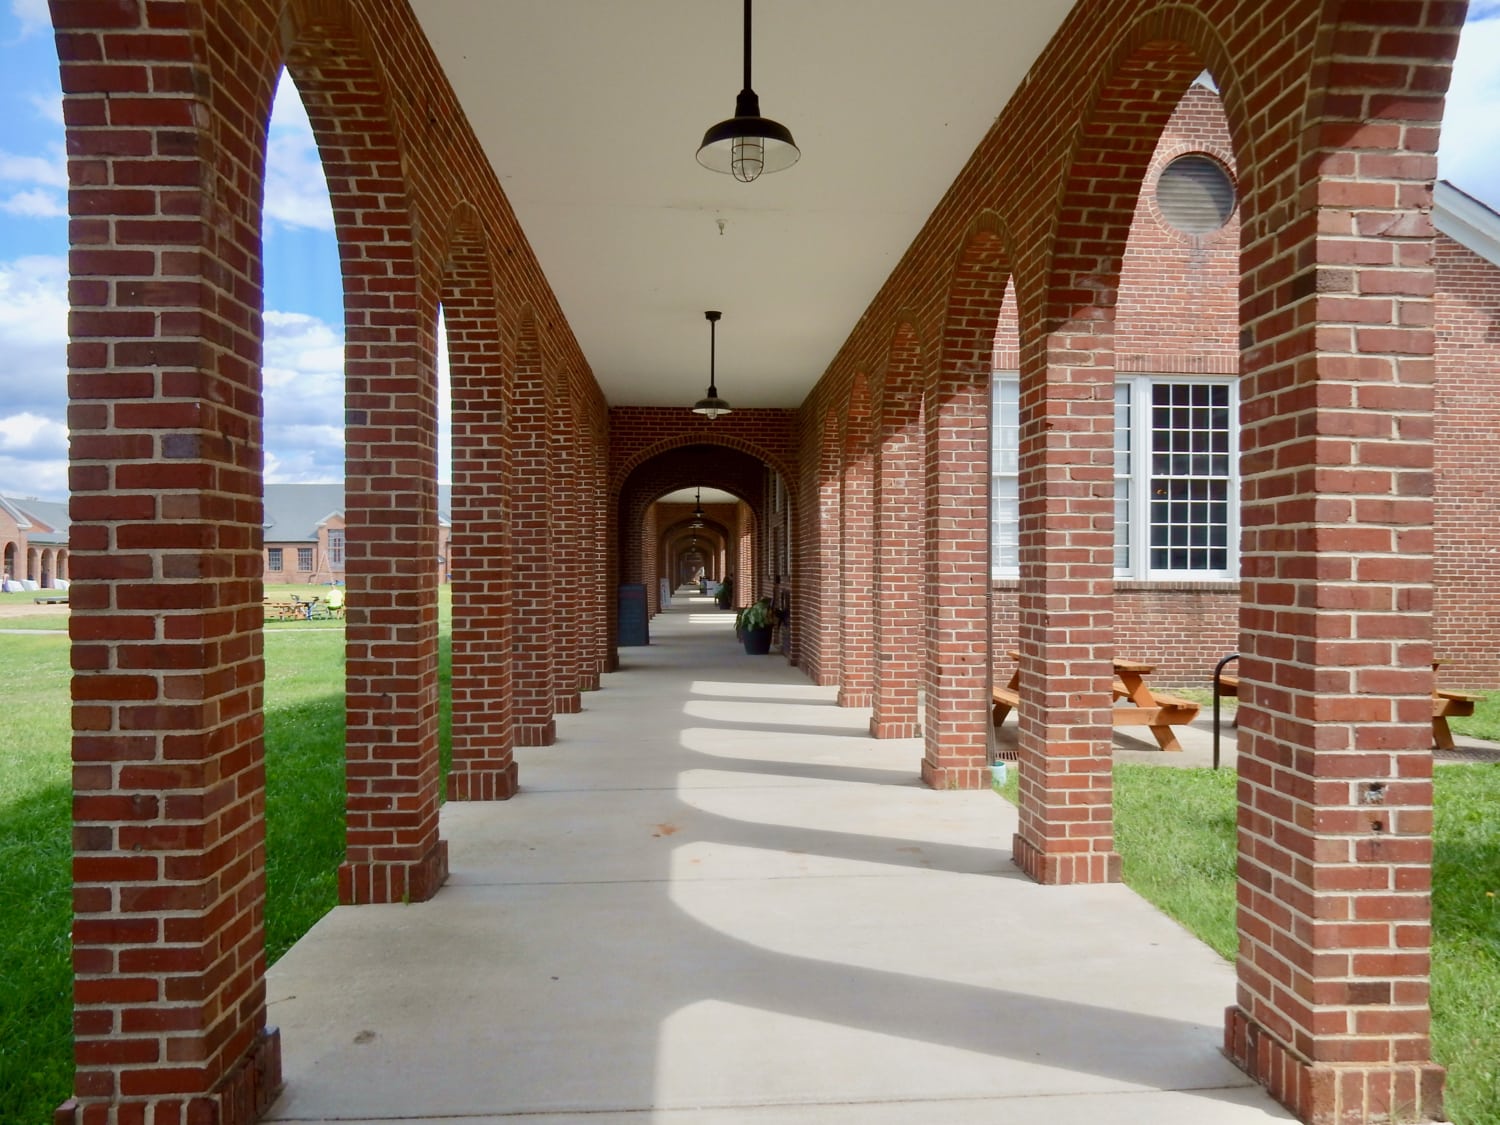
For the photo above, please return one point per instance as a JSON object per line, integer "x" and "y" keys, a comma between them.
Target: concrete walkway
{"x": 716, "y": 900}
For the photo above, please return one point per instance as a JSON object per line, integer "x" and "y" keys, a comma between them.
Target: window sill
{"x": 1151, "y": 585}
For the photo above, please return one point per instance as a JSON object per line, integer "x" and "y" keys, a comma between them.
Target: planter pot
{"x": 757, "y": 641}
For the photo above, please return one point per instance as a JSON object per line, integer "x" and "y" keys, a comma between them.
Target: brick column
{"x": 567, "y": 527}
{"x": 531, "y": 535}
{"x": 898, "y": 544}
{"x": 390, "y": 745}
{"x": 168, "y": 769}
{"x": 856, "y": 555}
{"x": 956, "y": 540}
{"x": 828, "y": 547}
{"x": 483, "y": 766}
{"x": 594, "y": 527}
{"x": 1335, "y": 766}
{"x": 1066, "y": 619}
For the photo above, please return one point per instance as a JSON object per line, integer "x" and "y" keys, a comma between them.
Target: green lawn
{"x": 304, "y": 828}
{"x": 1184, "y": 863}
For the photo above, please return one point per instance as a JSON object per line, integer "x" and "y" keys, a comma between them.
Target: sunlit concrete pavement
{"x": 716, "y": 900}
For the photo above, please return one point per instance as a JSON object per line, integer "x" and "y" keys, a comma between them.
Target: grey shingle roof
{"x": 294, "y": 511}
{"x": 44, "y": 521}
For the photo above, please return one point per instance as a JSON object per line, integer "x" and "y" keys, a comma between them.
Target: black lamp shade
{"x": 748, "y": 144}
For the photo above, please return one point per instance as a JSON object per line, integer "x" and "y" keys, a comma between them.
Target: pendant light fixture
{"x": 698, "y": 510}
{"x": 748, "y": 144}
{"x": 711, "y": 404}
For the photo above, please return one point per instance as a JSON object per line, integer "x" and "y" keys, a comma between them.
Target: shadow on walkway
{"x": 716, "y": 900}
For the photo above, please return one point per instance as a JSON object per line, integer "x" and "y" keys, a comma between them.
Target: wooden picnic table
{"x": 1446, "y": 705}
{"x": 1135, "y": 703}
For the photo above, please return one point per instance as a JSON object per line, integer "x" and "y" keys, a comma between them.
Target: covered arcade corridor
{"x": 968, "y": 164}
{"x": 721, "y": 902}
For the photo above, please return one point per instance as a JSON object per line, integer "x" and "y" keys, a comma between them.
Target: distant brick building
{"x": 1177, "y": 365}
{"x": 304, "y": 535}
{"x": 34, "y": 540}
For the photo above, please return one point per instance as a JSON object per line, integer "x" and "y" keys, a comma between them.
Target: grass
{"x": 1484, "y": 722}
{"x": 1184, "y": 864}
{"x": 304, "y": 739}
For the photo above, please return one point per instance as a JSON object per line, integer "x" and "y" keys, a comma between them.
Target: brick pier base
{"x": 242, "y": 1097}
{"x": 1063, "y": 868}
{"x": 394, "y": 881}
{"x": 483, "y": 784}
{"x": 938, "y": 776}
{"x": 544, "y": 734}
{"x": 1321, "y": 1094}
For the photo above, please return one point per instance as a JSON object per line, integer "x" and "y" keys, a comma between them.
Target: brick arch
{"x": 698, "y": 437}
{"x": 479, "y": 358}
{"x": 675, "y": 537}
{"x": 856, "y": 548}
{"x": 707, "y": 463}
{"x": 393, "y": 851}
{"x": 956, "y": 518}
{"x": 1067, "y": 420}
{"x": 533, "y": 575}
{"x": 898, "y": 503}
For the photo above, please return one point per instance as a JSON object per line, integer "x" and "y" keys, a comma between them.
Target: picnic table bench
{"x": 50, "y": 599}
{"x": 277, "y": 610}
{"x": 1446, "y": 704}
{"x": 1136, "y": 705}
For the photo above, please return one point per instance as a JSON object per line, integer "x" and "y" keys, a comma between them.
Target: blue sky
{"x": 304, "y": 347}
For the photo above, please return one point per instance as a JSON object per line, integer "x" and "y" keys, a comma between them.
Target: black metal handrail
{"x": 1219, "y": 668}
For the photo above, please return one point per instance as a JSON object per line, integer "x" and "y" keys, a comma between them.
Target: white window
{"x": 1176, "y": 477}
{"x": 336, "y": 548}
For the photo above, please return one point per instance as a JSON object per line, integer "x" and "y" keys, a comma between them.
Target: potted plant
{"x": 753, "y": 626}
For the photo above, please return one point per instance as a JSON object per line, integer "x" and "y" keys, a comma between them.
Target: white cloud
{"x": 46, "y": 480}
{"x": 32, "y": 15}
{"x": 44, "y": 171}
{"x": 1470, "y": 151}
{"x": 29, "y": 433}
{"x": 296, "y": 190}
{"x": 33, "y": 376}
{"x": 33, "y": 314}
{"x": 35, "y": 204}
{"x": 49, "y": 107}
{"x": 303, "y": 377}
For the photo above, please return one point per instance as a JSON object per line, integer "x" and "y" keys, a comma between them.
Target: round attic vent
{"x": 1195, "y": 194}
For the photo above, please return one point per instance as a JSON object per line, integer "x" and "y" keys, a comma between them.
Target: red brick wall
{"x": 1466, "y": 523}
{"x": 166, "y": 104}
{"x": 1326, "y": 311}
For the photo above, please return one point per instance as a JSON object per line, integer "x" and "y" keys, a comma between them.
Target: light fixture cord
{"x": 713, "y": 333}
{"x": 747, "y": 44}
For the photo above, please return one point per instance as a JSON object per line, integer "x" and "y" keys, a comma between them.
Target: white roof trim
{"x": 1466, "y": 220}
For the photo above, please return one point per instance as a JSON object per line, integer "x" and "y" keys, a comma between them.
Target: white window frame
{"x": 1137, "y": 566}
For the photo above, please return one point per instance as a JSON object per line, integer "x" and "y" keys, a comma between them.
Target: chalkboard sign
{"x": 634, "y": 625}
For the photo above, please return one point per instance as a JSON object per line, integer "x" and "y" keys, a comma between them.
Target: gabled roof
{"x": 1466, "y": 220}
{"x": 43, "y": 521}
{"x": 294, "y": 512}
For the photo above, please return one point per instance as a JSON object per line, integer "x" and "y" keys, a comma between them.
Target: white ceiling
{"x": 689, "y": 496}
{"x": 591, "y": 111}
